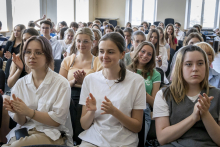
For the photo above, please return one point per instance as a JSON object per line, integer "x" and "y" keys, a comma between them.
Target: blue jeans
{"x": 147, "y": 112}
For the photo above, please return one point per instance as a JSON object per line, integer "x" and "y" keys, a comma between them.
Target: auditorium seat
{"x": 168, "y": 20}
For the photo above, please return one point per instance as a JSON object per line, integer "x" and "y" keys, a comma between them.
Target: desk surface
{"x": 106, "y": 18}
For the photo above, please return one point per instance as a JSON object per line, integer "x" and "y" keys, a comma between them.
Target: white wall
{"x": 171, "y": 9}
{"x": 112, "y": 9}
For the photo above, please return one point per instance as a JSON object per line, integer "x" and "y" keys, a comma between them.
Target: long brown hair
{"x": 157, "y": 45}
{"x": 166, "y": 34}
{"x": 179, "y": 86}
{"x": 149, "y": 67}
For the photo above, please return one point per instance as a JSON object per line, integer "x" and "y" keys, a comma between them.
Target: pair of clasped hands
{"x": 106, "y": 106}
{"x": 159, "y": 60}
{"x": 201, "y": 108}
{"x": 16, "y": 106}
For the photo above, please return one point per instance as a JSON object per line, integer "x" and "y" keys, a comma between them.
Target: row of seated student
{"x": 41, "y": 98}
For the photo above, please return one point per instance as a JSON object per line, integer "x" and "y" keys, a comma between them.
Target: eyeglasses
{"x": 36, "y": 54}
{"x": 45, "y": 28}
{"x": 85, "y": 42}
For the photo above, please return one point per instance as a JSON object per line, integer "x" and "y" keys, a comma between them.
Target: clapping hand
{"x": 107, "y": 107}
{"x": 79, "y": 76}
{"x": 204, "y": 103}
{"x": 159, "y": 60}
{"x": 91, "y": 103}
{"x": 17, "y": 61}
{"x": 19, "y": 106}
{"x": 7, "y": 55}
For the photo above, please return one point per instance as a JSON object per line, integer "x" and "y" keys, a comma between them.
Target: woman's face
{"x": 145, "y": 54}
{"x": 17, "y": 31}
{"x": 128, "y": 25}
{"x": 137, "y": 40}
{"x": 61, "y": 26}
{"x": 108, "y": 31}
{"x": 193, "y": 41}
{"x": 69, "y": 36}
{"x": 109, "y": 54}
{"x": 26, "y": 36}
{"x": 34, "y": 58}
{"x": 193, "y": 67}
{"x": 96, "y": 41}
{"x": 210, "y": 57}
{"x": 161, "y": 34}
{"x": 153, "y": 38}
{"x": 170, "y": 30}
{"x": 83, "y": 43}
{"x": 161, "y": 25}
{"x": 135, "y": 29}
{"x": 95, "y": 27}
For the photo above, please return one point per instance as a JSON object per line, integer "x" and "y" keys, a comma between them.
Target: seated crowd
{"x": 111, "y": 87}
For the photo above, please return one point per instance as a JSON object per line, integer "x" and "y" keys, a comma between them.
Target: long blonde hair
{"x": 83, "y": 30}
{"x": 179, "y": 86}
{"x": 22, "y": 28}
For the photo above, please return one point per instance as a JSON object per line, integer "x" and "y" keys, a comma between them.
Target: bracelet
{"x": 33, "y": 115}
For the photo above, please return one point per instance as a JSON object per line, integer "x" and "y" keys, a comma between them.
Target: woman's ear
{"x": 122, "y": 55}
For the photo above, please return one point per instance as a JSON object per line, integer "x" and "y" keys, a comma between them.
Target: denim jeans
{"x": 147, "y": 112}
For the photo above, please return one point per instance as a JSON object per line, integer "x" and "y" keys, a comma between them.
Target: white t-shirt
{"x": 129, "y": 94}
{"x": 161, "y": 107}
{"x": 180, "y": 35}
{"x": 64, "y": 45}
{"x": 52, "y": 96}
{"x": 56, "y": 48}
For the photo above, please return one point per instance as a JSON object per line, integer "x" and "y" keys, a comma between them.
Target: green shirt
{"x": 149, "y": 81}
{"x": 127, "y": 59}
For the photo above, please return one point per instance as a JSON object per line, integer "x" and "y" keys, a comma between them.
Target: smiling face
{"x": 69, "y": 36}
{"x": 145, "y": 55}
{"x": 35, "y": 59}
{"x": 109, "y": 54}
{"x": 83, "y": 43}
{"x": 193, "y": 67}
{"x": 169, "y": 30}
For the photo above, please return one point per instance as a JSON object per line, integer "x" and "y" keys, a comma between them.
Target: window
{"x": 82, "y": 10}
{"x": 204, "y": 12}
{"x": 24, "y": 11}
{"x": 3, "y": 12}
{"x": 142, "y": 10}
{"x": 65, "y": 11}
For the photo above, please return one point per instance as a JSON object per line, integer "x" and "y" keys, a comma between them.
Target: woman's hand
{"x": 107, "y": 107}
{"x": 7, "y": 105}
{"x": 204, "y": 103}
{"x": 159, "y": 60}
{"x": 196, "y": 114}
{"x": 79, "y": 76}
{"x": 91, "y": 103}
{"x": 64, "y": 55}
{"x": 17, "y": 61}
{"x": 7, "y": 55}
{"x": 43, "y": 17}
{"x": 19, "y": 106}
{"x": 170, "y": 39}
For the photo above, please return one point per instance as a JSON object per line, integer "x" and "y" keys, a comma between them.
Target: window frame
{"x": 142, "y": 11}
{"x": 216, "y": 17}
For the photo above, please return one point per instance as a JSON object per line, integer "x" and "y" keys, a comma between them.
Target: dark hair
{"x": 120, "y": 43}
{"x": 0, "y": 24}
{"x": 140, "y": 26}
{"x": 119, "y": 31}
{"x": 128, "y": 23}
{"x": 190, "y": 36}
{"x": 197, "y": 26}
{"x": 63, "y": 23}
{"x": 157, "y": 45}
{"x": 46, "y": 22}
{"x": 30, "y": 31}
{"x": 97, "y": 26}
{"x": 62, "y": 32}
{"x": 89, "y": 23}
{"x": 46, "y": 48}
{"x": 144, "y": 22}
{"x": 31, "y": 24}
{"x": 84, "y": 24}
{"x": 117, "y": 27}
{"x": 179, "y": 24}
{"x": 109, "y": 26}
{"x": 74, "y": 24}
{"x": 129, "y": 30}
{"x": 191, "y": 31}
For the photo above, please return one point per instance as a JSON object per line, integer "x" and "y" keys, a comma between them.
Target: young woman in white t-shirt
{"x": 187, "y": 112}
{"x": 40, "y": 100}
{"x": 113, "y": 99}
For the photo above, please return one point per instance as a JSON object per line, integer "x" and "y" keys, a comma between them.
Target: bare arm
{"x": 64, "y": 73}
{"x": 14, "y": 75}
{"x": 35, "y": 22}
{"x": 87, "y": 118}
{"x": 150, "y": 99}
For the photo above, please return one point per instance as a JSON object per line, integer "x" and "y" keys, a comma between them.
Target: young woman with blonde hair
{"x": 191, "y": 96}
{"x": 98, "y": 36}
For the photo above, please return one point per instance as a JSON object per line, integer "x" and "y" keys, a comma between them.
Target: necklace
{"x": 109, "y": 85}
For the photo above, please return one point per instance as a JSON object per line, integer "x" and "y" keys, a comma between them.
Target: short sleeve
{"x": 161, "y": 107}
{"x": 66, "y": 62}
{"x": 68, "y": 49}
{"x": 140, "y": 100}
{"x": 84, "y": 91}
{"x": 97, "y": 66}
{"x": 156, "y": 77}
{"x": 60, "y": 108}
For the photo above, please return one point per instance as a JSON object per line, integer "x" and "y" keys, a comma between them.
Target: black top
{"x": 9, "y": 47}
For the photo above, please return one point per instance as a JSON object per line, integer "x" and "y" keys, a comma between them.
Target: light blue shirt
{"x": 214, "y": 78}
